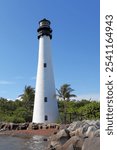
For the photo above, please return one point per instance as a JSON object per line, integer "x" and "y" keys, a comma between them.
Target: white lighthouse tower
{"x": 45, "y": 104}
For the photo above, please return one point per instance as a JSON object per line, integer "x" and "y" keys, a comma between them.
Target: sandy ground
{"x": 47, "y": 132}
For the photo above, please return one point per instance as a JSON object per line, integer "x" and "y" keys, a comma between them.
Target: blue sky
{"x": 75, "y": 44}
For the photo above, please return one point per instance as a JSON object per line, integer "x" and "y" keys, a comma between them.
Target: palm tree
{"x": 65, "y": 93}
{"x": 28, "y": 97}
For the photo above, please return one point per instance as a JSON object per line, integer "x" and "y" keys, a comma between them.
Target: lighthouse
{"x": 45, "y": 103}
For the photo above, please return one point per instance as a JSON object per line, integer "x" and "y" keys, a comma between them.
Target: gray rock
{"x": 73, "y": 143}
{"x": 14, "y": 126}
{"x": 58, "y": 147}
{"x": 90, "y": 122}
{"x": 91, "y": 130}
{"x": 85, "y": 128}
{"x": 30, "y": 126}
{"x": 97, "y": 124}
{"x": 72, "y": 133}
{"x": 73, "y": 126}
{"x": 63, "y": 133}
{"x": 97, "y": 133}
{"x": 70, "y": 147}
{"x": 1, "y": 125}
{"x": 79, "y": 132}
{"x": 54, "y": 144}
{"x": 60, "y": 138}
{"x": 33, "y": 126}
{"x": 40, "y": 126}
{"x": 23, "y": 126}
{"x": 9, "y": 126}
{"x": 91, "y": 144}
{"x": 5, "y": 126}
{"x": 80, "y": 135}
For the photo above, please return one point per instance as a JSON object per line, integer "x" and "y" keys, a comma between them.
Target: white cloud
{"x": 5, "y": 82}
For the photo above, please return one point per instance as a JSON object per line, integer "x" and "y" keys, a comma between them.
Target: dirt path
{"x": 47, "y": 132}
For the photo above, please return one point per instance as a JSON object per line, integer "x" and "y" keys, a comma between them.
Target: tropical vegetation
{"x": 70, "y": 109}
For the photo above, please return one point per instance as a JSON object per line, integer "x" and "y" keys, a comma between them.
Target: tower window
{"x": 46, "y": 117}
{"x": 45, "y": 99}
{"x": 45, "y": 65}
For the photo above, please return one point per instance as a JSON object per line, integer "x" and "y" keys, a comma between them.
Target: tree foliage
{"x": 90, "y": 110}
{"x": 79, "y": 110}
{"x": 18, "y": 110}
{"x": 70, "y": 110}
{"x": 28, "y": 97}
{"x": 65, "y": 92}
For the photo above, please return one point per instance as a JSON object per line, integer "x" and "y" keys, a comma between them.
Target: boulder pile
{"x": 80, "y": 135}
{"x": 27, "y": 126}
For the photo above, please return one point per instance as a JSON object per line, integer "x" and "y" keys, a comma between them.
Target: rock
{"x": 58, "y": 147}
{"x": 45, "y": 139}
{"x": 40, "y": 126}
{"x": 54, "y": 144}
{"x": 73, "y": 143}
{"x": 77, "y": 132}
{"x": 97, "y": 133}
{"x": 57, "y": 126}
{"x": 90, "y": 122}
{"x": 69, "y": 147}
{"x": 63, "y": 133}
{"x": 97, "y": 124}
{"x": 91, "y": 130}
{"x": 73, "y": 126}
{"x": 33, "y": 126}
{"x": 30, "y": 126}
{"x": 91, "y": 144}
{"x": 80, "y": 132}
{"x": 1, "y": 125}
{"x": 77, "y": 135}
{"x": 14, "y": 126}
{"x": 60, "y": 138}
{"x": 5, "y": 126}
{"x": 72, "y": 133}
{"x": 23, "y": 126}
{"x": 93, "y": 123}
{"x": 63, "y": 126}
{"x": 85, "y": 127}
{"x": 52, "y": 125}
{"x": 55, "y": 132}
{"x": 9, "y": 126}
{"x": 45, "y": 126}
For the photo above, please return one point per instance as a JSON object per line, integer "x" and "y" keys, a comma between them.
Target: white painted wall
{"x": 45, "y": 86}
